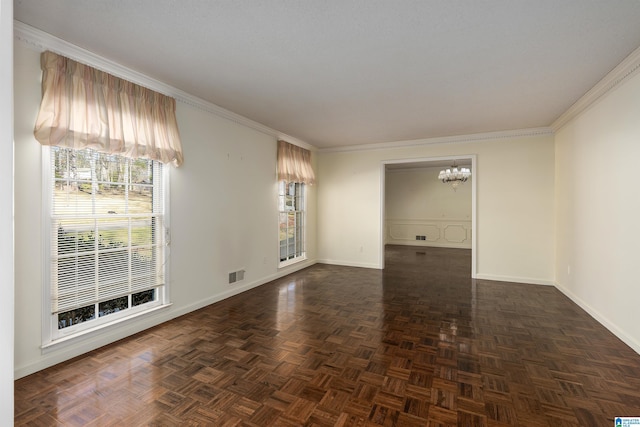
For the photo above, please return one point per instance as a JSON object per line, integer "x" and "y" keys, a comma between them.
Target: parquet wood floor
{"x": 418, "y": 344}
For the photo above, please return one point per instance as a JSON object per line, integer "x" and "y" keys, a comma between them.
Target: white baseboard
{"x": 427, "y": 244}
{"x": 515, "y": 279}
{"x": 349, "y": 263}
{"x": 112, "y": 333}
{"x": 603, "y": 320}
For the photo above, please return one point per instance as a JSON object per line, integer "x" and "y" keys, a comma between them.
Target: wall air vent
{"x": 236, "y": 276}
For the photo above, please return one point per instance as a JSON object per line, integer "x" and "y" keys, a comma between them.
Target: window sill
{"x": 289, "y": 262}
{"x": 77, "y": 337}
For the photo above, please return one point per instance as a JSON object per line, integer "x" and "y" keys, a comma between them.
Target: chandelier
{"x": 454, "y": 175}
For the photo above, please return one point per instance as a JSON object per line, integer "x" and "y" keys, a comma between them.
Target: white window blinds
{"x": 107, "y": 237}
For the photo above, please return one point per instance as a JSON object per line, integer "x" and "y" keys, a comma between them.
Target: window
{"x": 106, "y": 216}
{"x": 291, "y": 206}
{"x": 106, "y": 142}
{"x": 294, "y": 173}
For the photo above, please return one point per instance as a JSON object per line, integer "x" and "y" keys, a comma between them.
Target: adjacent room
{"x": 319, "y": 213}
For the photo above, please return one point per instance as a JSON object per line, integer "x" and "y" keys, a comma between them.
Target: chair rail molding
{"x": 436, "y": 232}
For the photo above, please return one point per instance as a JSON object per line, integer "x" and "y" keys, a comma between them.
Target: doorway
{"x": 429, "y": 227}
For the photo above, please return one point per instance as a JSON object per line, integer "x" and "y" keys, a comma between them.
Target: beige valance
{"x": 294, "y": 164}
{"x": 83, "y": 107}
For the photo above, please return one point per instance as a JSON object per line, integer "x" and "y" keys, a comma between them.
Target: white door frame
{"x": 426, "y": 161}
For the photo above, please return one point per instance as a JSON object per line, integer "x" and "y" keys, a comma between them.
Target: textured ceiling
{"x": 340, "y": 72}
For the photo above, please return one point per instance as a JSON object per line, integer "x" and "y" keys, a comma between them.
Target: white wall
{"x": 417, "y": 193}
{"x": 515, "y": 204}
{"x": 223, "y": 218}
{"x": 6, "y": 212}
{"x": 417, "y": 203}
{"x": 598, "y": 207}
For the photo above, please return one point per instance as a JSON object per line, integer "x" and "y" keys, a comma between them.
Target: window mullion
{"x": 96, "y": 227}
{"x": 295, "y": 231}
{"x": 127, "y": 171}
{"x": 129, "y": 225}
{"x": 94, "y": 183}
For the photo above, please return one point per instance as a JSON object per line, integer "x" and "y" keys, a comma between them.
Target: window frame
{"x": 51, "y": 335}
{"x": 303, "y": 212}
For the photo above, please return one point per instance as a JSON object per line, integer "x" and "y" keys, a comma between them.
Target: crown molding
{"x": 39, "y": 40}
{"x": 476, "y": 137}
{"x": 628, "y": 68}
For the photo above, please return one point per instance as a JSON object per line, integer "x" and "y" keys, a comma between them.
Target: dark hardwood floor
{"x": 418, "y": 344}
